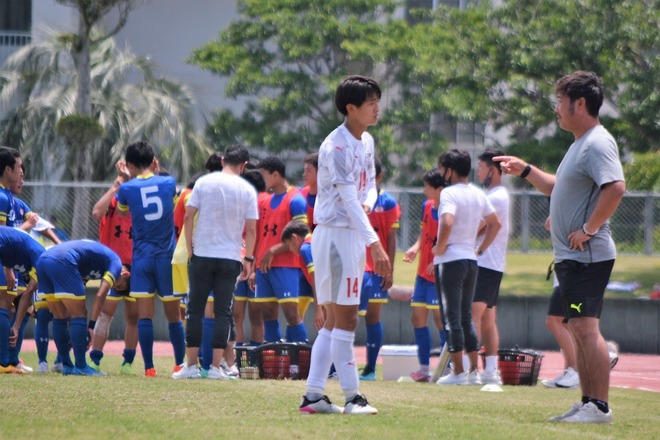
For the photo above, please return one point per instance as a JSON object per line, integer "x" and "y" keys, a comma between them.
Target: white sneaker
{"x": 321, "y": 406}
{"x": 217, "y": 373}
{"x": 58, "y": 367}
{"x": 232, "y": 371}
{"x": 23, "y": 367}
{"x": 491, "y": 377}
{"x": 359, "y": 405}
{"x": 474, "y": 378}
{"x": 454, "y": 379}
{"x": 42, "y": 367}
{"x": 589, "y": 413}
{"x": 571, "y": 412}
{"x": 570, "y": 379}
{"x": 187, "y": 372}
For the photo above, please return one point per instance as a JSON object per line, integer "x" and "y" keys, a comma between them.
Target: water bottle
{"x": 293, "y": 372}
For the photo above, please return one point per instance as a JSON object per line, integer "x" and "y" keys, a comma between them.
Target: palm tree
{"x": 38, "y": 87}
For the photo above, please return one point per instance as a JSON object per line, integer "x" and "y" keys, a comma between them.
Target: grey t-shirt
{"x": 591, "y": 162}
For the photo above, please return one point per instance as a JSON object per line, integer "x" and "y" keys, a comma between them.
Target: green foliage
{"x": 79, "y": 130}
{"x": 643, "y": 172}
{"x": 283, "y": 60}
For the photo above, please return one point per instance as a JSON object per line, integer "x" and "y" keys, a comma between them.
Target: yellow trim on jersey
{"x": 169, "y": 298}
{"x": 145, "y": 175}
{"x": 378, "y": 300}
{"x": 264, "y": 300}
{"x": 287, "y": 300}
{"x": 396, "y": 225}
{"x": 310, "y": 268}
{"x": 10, "y": 292}
{"x": 424, "y": 305}
{"x": 61, "y": 296}
{"x": 38, "y": 305}
{"x": 110, "y": 278}
{"x": 119, "y": 298}
{"x": 300, "y": 217}
{"x": 33, "y": 274}
{"x": 303, "y": 305}
{"x": 362, "y": 313}
{"x": 122, "y": 208}
{"x": 3, "y": 217}
{"x": 240, "y": 298}
{"x": 142, "y": 295}
{"x": 47, "y": 296}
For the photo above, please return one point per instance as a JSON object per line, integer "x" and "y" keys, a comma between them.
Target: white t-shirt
{"x": 346, "y": 180}
{"x": 468, "y": 204}
{"x": 494, "y": 258}
{"x": 224, "y": 202}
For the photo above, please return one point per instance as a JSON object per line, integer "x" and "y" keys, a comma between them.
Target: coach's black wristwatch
{"x": 249, "y": 259}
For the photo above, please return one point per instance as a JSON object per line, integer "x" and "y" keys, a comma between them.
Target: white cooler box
{"x": 399, "y": 360}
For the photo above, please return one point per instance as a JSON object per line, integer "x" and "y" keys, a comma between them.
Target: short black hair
{"x": 272, "y": 164}
{"x": 312, "y": 159}
{"x": 297, "y": 227}
{"x": 193, "y": 180}
{"x": 355, "y": 89}
{"x": 236, "y": 155}
{"x": 582, "y": 84}
{"x": 487, "y": 156}
{"x": 255, "y": 178}
{"x": 433, "y": 178}
{"x": 140, "y": 154}
{"x": 214, "y": 162}
{"x": 8, "y": 158}
{"x": 378, "y": 165}
{"x": 457, "y": 160}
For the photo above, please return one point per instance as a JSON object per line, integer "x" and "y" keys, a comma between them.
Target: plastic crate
{"x": 519, "y": 367}
{"x": 284, "y": 361}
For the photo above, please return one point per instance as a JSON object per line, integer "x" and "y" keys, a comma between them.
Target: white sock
{"x": 319, "y": 367}
{"x": 491, "y": 363}
{"x": 343, "y": 356}
{"x": 466, "y": 362}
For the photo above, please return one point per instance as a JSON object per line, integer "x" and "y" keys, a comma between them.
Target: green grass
{"x": 525, "y": 274}
{"x": 57, "y": 407}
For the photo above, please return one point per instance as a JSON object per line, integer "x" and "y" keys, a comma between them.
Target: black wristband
{"x": 526, "y": 171}
{"x": 250, "y": 259}
{"x": 91, "y": 324}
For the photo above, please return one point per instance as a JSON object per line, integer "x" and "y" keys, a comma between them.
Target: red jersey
{"x": 310, "y": 206}
{"x": 116, "y": 232}
{"x": 272, "y": 222}
{"x": 384, "y": 217}
{"x": 429, "y": 231}
{"x": 180, "y": 211}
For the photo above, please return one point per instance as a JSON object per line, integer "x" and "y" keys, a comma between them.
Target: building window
{"x": 15, "y": 26}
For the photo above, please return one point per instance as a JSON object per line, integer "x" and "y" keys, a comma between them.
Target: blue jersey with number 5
{"x": 150, "y": 200}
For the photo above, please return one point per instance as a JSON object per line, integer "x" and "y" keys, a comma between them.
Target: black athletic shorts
{"x": 582, "y": 286}
{"x": 488, "y": 287}
{"x": 556, "y": 307}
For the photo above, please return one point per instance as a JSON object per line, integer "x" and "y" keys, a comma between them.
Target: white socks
{"x": 319, "y": 365}
{"x": 343, "y": 357}
{"x": 491, "y": 363}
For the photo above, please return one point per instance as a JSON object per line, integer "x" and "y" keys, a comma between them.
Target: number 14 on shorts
{"x": 352, "y": 287}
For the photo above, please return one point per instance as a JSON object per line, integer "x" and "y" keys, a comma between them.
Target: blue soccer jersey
{"x": 6, "y": 205}
{"x": 17, "y": 216}
{"x": 63, "y": 268}
{"x": 150, "y": 200}
{"x": 18, "y": 251}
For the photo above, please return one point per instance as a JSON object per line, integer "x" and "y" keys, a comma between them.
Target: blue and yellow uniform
{"x": 6, "y": 204}
{"x": 424, "y": 293}
{"x": 20, "y": 252}
{"x": 150, "y": 200}
{"x": 305, "y": 292}
{"x": 64, "y": 269}
{"x": 384, "y": 217}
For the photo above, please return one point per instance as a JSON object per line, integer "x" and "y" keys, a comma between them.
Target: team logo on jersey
{"x": 95, "y": 274}
{"x": 20, "y": 268}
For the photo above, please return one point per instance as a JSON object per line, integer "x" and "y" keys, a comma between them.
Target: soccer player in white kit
{"x": 346, "y": 193}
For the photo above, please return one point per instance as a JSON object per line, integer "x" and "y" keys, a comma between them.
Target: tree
{"x": 284, "y": 59}
{"x": 38, "y": 89}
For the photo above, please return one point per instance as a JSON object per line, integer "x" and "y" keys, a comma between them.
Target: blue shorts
{"x": 242, "y": 292}
{"x": 59, "y": 279}
{"x": 304, "y": 288}
{"x": 20, "y": 283}
{"x": 114, "y": 296}
{"x": 38, "y": 301}
{"x": 424, "y": 294}
{"x": 150, "y": 275}
{"x": 278, "y": 284}
{"x": 371, "y": 292}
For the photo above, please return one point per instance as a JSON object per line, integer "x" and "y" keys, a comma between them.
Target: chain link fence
{"x": 635, "y": 225}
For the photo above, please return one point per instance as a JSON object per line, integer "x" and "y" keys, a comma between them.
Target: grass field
{"x": 525, "y": 274}
{"x": 58, "y": 407}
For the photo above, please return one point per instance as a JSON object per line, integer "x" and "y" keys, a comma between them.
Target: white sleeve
{"x": 358, "y": 217}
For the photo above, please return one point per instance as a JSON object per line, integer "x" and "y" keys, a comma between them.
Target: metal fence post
{"x": 648, "y": 224}
{"x": 524, "y": 221}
